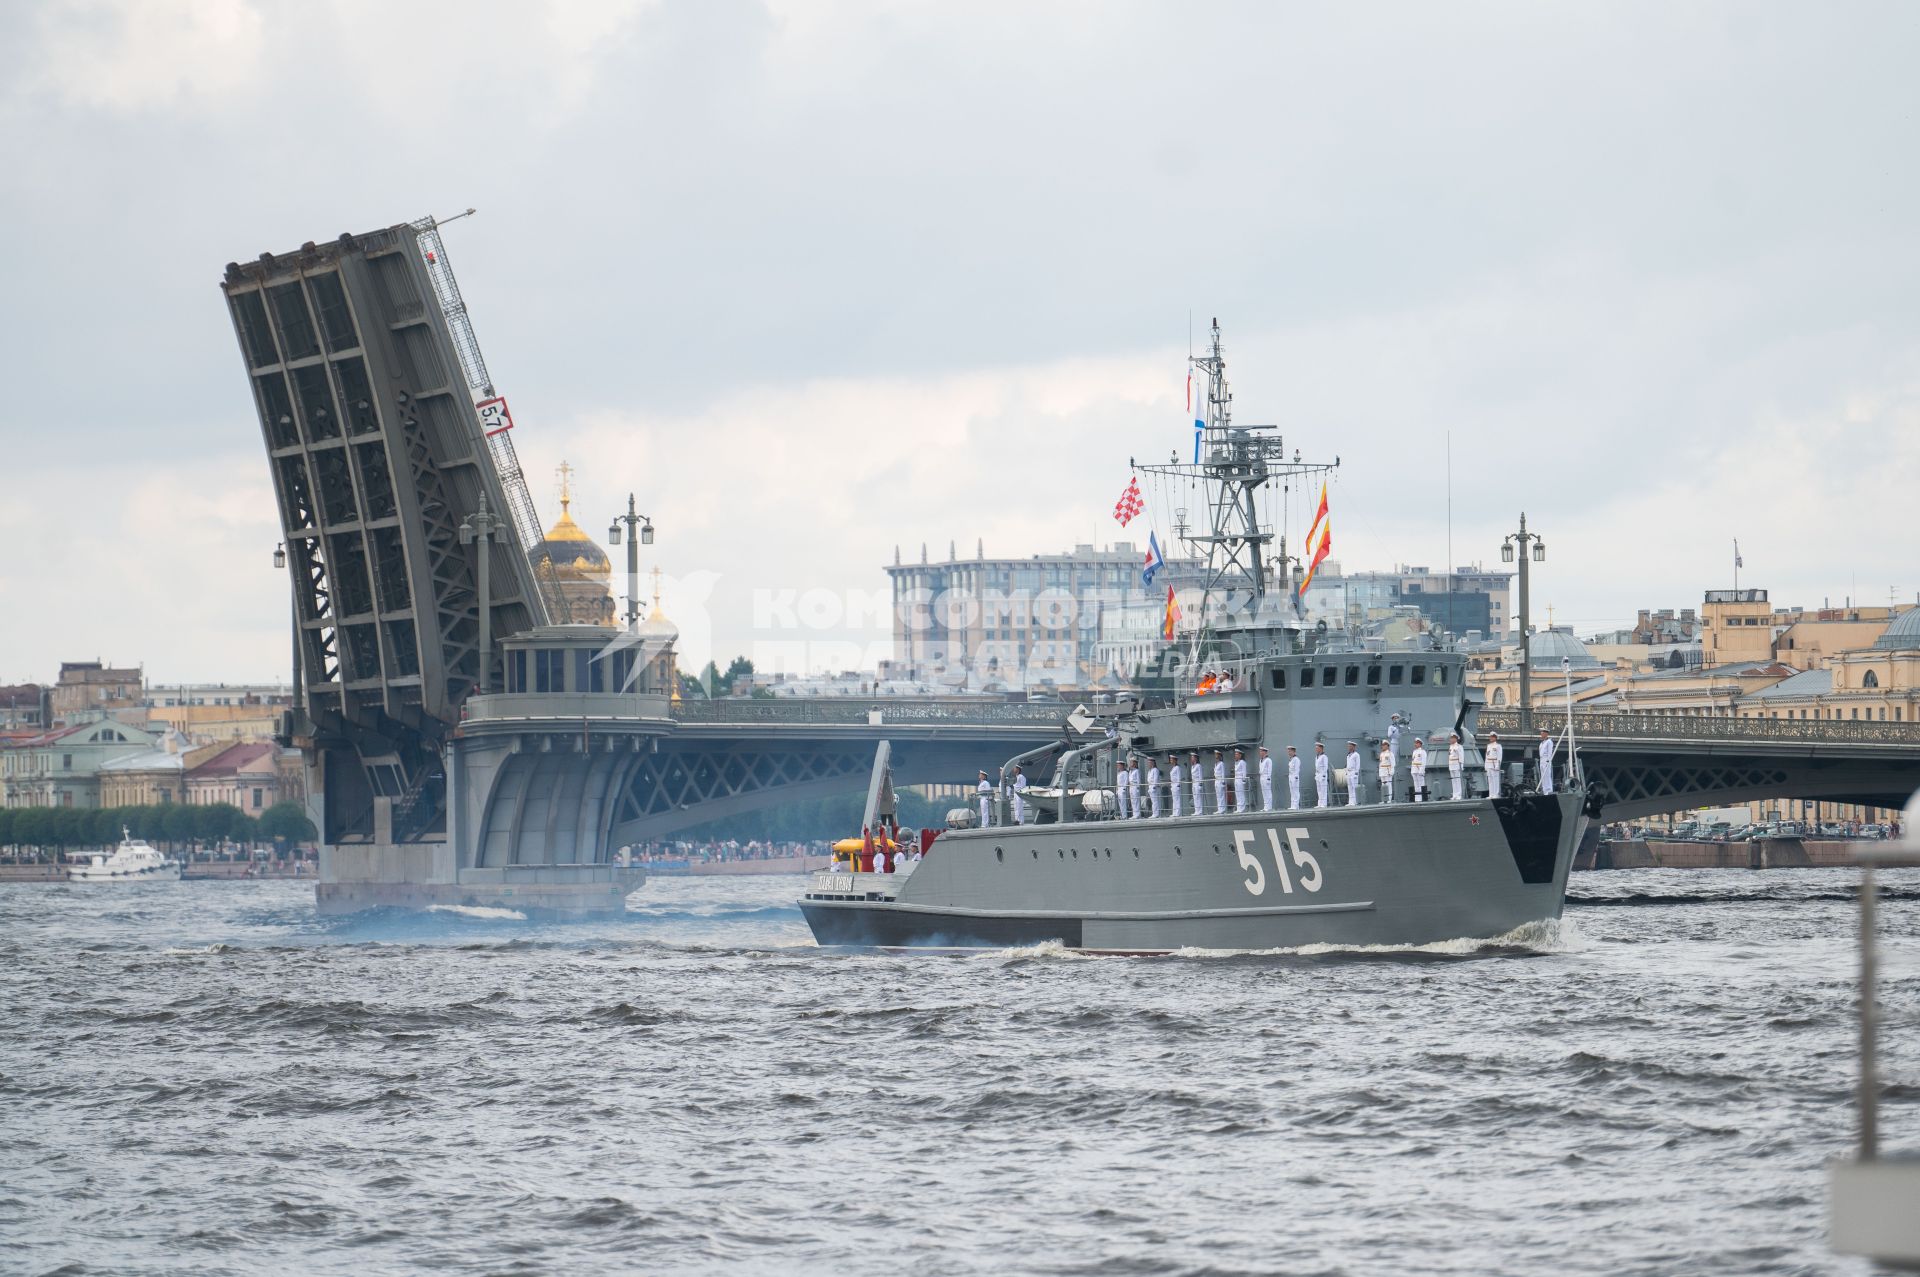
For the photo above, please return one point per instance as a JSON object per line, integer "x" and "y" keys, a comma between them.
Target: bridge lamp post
{"x": 481, "y": 527}
{"x": 1515, "y": 545}
{"x": 645, "y": 525}
{"x": 293, "y": 604}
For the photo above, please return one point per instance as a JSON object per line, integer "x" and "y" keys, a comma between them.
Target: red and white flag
{"x": 1130, "y": 503}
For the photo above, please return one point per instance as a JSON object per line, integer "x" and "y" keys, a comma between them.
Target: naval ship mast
{"x": 1234, "y": 463}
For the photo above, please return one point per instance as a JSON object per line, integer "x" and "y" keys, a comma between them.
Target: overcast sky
{"x": 815, "y": 279}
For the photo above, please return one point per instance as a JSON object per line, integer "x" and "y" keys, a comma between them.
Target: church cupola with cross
{"x": 576, "y": 571}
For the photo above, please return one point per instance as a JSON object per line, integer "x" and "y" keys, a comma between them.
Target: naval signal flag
{"x": 1155, "y": 561}
{"x": 1173, "y": 615}
{"x": 1129, "y": 504}
{"x": 1199, "y": 416}
{"x": 1322, "y": 527}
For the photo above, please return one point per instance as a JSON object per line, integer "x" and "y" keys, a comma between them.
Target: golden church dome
{"x": 570, "y": 550}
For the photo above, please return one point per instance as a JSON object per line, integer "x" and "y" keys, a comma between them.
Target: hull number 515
{"x": 1303, "y": 860}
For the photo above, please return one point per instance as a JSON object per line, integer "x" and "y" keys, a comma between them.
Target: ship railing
{"x": 1704, "y": 727}
{"x": 882, "y": 712}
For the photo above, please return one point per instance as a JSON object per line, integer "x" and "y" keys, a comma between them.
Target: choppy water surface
{"x": 207, "y": 1078}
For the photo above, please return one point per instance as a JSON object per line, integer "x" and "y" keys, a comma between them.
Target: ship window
{"x": 999, "y": 853}
{"x": 1439, "y": 676}
{"x": 1329, "y": 676}
{"x": 1419, "y": 675}
{"x": 1353, "y": 676}
{"x": 1306, "y": 676}
{"x": 1396, "y": 673}
{"x": 1373, "y": 676}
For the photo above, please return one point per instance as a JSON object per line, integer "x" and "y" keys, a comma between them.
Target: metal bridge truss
{"x": 717, "y": 781}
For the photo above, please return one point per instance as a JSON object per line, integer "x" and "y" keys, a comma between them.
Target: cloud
{"x": 819, "y": 278}
{"x": 166, "y": 565}
{"x": 144, "y": 55}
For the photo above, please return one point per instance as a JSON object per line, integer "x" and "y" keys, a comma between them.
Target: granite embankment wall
{"x": 1758, "y": 853}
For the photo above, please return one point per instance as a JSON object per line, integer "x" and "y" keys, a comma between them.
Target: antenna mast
{"x": 1235, "y": 463}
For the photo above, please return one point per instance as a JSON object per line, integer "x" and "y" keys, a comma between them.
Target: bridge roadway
{"x": 543, "y": 789}
{"x": 564, "y": 781}
{"x": 1646, "y": 764}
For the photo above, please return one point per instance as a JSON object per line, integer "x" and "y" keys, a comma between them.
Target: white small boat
{"x": 132, "y": 861}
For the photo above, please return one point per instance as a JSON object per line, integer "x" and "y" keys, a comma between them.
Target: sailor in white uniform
{"x": 1220, "y": 781}
{"x": 1386, "y": 774}
{"x": 985, "y": 790}
{"x": 1494, "y": 755}
{"x": 1393, "y": 738}
{"x": 1177, "y": 783}
{"x": 1353, "y": 774}
{"x": 1199, "y": 782}
{"x": 1266, "y": 780}
{"x": 1322, "y": 775}
{"x": 1133, "y": 786}
{"x": 1546, "y": 762}
{"x": 1242, "y": 799}
{"x": 1293, "y": 776}
{"x": 1120, "y": 797}
{"x": 1419, "y": 764}
{"x": 1457, "y": 767}
{"x": 1153, "y": 786}
{"x": 1019, "y": 797}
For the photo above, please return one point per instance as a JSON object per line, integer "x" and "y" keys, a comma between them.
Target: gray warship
{"x": 1058, "y": 863}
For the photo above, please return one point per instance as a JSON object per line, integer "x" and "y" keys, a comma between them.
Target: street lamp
{"x": 481, "y": 527}
{"x": 1512, "y": 548}
{"x": 645, "y": 527}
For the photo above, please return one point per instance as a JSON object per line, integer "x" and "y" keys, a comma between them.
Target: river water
{"x": 207, "y": 1078}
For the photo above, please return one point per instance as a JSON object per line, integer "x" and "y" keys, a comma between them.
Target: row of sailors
{"x": 1236, "y": 785}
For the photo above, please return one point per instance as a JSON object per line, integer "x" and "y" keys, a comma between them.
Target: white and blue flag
{"x": 1155, "y": 560}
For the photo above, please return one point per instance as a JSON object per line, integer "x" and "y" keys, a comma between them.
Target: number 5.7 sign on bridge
{"x": 1303, "y": 860}
{"x": 494, "y": 416}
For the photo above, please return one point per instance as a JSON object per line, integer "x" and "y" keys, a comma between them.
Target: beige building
{"x": 1742, "y": 626}
{"x": 246, "y": 775}
{"x": 155, "y": 777}
{"x": 1879, "y": 683}
{"x": 219, "y": 711}
{"x": 87, "y": 690}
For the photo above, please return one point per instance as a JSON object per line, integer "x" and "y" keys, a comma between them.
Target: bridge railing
{"x": 1708, "y": 728}
{"x": 852, "y": 711}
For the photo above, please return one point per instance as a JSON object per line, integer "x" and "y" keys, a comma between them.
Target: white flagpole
{"x": 1573, "y": 754}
